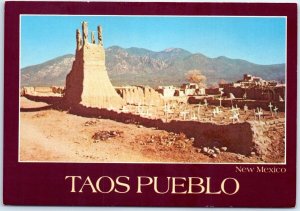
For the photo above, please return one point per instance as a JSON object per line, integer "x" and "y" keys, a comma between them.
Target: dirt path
{"x": 56, "y": 136}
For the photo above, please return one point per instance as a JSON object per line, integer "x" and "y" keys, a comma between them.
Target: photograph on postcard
{"x": 152, "y": 89}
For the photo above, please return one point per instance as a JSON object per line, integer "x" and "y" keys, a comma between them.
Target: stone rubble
{"x": 105, "y": 135}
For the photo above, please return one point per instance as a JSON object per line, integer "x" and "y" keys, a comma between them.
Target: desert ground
{"x": 50, "y": 135}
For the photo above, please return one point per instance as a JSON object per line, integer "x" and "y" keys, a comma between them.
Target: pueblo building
{"x": 255, "y": 88}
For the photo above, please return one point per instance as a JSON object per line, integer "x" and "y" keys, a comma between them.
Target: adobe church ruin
{"x": 87, "y": 83}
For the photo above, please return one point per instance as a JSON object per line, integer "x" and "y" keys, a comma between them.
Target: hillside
{"x": 146, "y": 67}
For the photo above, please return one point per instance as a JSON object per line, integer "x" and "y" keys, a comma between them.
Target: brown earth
{"x": 56, "y": 136}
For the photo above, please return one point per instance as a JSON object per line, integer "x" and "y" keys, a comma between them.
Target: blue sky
{"x": 259, "y": 40}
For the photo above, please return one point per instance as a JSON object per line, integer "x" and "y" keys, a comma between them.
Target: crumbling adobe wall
{"x": 88, "y": 83}
{"x": 41, "y": 91}
{"x": 143, "y": 95}
{"x": 27, "y": 90}
{"x": 212, "y": 91}
{"x": 268, "y": 93}
{"x": 237, "y": 138}
{"x": 269, "y": 139}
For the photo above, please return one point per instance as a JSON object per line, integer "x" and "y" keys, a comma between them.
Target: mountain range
{"x": 138, "y": 66}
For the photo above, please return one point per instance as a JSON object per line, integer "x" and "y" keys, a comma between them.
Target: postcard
{"x": 174, "y": 104}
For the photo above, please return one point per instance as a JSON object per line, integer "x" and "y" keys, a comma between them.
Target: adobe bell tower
{"x": 88, "y": 83}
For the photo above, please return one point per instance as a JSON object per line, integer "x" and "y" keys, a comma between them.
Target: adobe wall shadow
{"x": 45, "y": 99}
{"x": 43, "y": 108}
